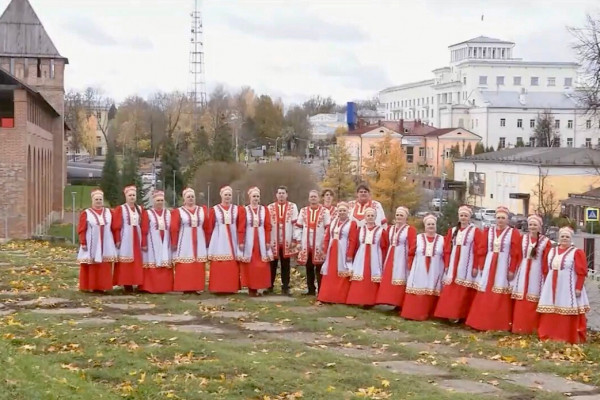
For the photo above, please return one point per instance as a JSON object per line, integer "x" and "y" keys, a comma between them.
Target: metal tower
{"x": 198, "y": 84}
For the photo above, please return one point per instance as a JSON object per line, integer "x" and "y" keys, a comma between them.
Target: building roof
{"x": 543, "y": 100}
{"x": 426, "y": 82}
{"x": 22, "y": 33}
{"x": 483, "y": 39}
{"x": 543, "y": 156}
{"x": 10, "y": 80}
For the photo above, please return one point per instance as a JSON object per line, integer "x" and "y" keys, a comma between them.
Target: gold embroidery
{"x": 563, "y": 310}
{"x": 423, "y": 291}
{"x": 189, "y": 260}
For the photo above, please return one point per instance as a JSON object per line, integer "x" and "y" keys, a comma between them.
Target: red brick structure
{"x": 32, "y": 149}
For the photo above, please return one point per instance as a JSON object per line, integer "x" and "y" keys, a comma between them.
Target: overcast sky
{"x": 348, "y": 49}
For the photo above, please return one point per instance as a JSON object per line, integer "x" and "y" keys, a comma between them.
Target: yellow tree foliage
{"x": 340, "y": 131}
{"x": 86, "y": 126}
{"x": 340, "y": 173}
{"x": 387, "y": 175}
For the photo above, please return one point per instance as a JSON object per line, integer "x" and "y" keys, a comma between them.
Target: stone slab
{"x": 165, "y": 317}
{"x": 118, "y": 298}
{"x": 343, "y": 321}
{"x": 4, "y": 264}
{"x": 433, "y": 348}
{"x": 4, "y": 313}
{"x": 308, "y": 310}
{"x": 393, "y": 335}
{"x": 63, "y": 311}
{"x": 212, "y": 302}
{"x": 310, "y": 338}
{"x": 385, "y": 308}
{"x": 134, "y": 306}
{"x": 489, "y": 365}
{"x": 260, "y": 326}
{"x": 96, "y": 321}
{"x": 42, "y": 302}
{"x": 230, "y": 314}
{"x": 549, "y": 382}
{"x": 198, "y": 329}
{"x": 411, "y": 368}
{"x": 466, "y": 386}
{"x": 586, "y": 397}
{"x": 273, "y": 299}
{"x": 358, "y": 351}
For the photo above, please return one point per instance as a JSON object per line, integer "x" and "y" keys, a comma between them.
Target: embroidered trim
{"x": 91, "y": 261}
{"x": 124, "y": 259}
{"x": 221, "y": 257}
{"x": 466, "y": 283}
{"x": 399, "y": 282}
{"x": 423, "y": 291}
{"x": 563, "y": 310}
{"x": 501, "y": 290}
{"x": 374, "y": 279}
{"x": 153, "y": 265}
{"x": 189, "y": 260}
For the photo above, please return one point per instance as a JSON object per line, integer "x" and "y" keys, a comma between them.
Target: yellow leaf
{"x": 385, "y": 383}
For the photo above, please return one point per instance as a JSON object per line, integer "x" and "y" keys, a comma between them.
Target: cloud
{"x": 351, "y": 72}
{"x": 294, "y": 24}
{"x": 96, "y": 35}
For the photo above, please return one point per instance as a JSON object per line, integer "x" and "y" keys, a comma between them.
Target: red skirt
{"x": 189, "y": 277}
{"x": 389, "y": 293}
{"x": 563, "y": 328}
{"x": 225, "y": 277}
{"x": 157, "y": 280}
{"x": 334, "y": 288}
{"x": 455, "y": 301}
{"x": 525, "y": 317}
{"x": 418, "y": 307}
{"x": 95, "y": 276}
{"x": 363, "y": 293}
{"x": 130, "y": 273}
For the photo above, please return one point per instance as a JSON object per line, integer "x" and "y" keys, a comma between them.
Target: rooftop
{"x": 543, "y": 156}
{"x": 483, "y": 39}
{"x": 22, "y": 33}
{"x": 531, "y": 100}
{"x": 9, "y": 81}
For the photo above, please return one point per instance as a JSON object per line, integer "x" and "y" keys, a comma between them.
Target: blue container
{"x": 351, "y": 116}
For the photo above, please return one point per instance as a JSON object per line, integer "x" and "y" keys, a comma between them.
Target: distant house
{"x": 324, "y": 125}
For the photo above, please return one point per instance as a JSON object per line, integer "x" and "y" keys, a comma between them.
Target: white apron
{"x": 184, "y": 252}
{"x": 372, "y": 238}
{"x": 536, "y": 275}
{"x": 501, "y": 246}
{"x": 338, "y": 232}
{"x": 159, "y": 250}
{"x": 466, "y": 240}
{"x": 220, "y": 247}
{"x": 131, "y": 222}
{"x": 99, "y": 249}
{"x": 255, "y": 221}
{"x": 420, "y": 280}
{"x": 398, "y": 239}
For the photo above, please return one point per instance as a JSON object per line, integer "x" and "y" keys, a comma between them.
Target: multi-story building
{"x": 32, "y": 154}
{"x": 101, "y": 116}
{"x": 496, "y": 96}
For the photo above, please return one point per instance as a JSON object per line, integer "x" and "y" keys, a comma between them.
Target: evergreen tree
{"x": 170, "y": 162}
{"x": 339, "y": 173}
{"x": 469, "y": 150}
{"x": 110, "y": 183}
{"x": 490, "y": 149}
{"x": 479, "y": 148}
{"x": 449, "y": 217}
{"x": 130, "y": 175}
{"x": 221, "y": 148}
{"x": 455, "y": 151}
{"x": 545, "y": 133}
{"x": 520, "y": 142}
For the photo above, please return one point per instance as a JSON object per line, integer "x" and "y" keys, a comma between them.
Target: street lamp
{"x": 73, "y": 194}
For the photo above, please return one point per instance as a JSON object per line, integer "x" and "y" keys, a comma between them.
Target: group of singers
{"x": 493, "y": 279}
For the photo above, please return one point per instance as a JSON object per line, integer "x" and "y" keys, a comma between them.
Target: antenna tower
{"x": 198, "y": 84}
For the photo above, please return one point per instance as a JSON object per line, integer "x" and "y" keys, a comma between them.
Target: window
{"x": 483, "y": 80}
{"x": 39, "y": 67}
{"x": 409, "y": 154}
{"x": 520, "y": 142}
{"x": 568, "y": 82}
{"x": 421, "y": 152}
{"x": 502, "y": 143}
{"x": 570, "y": 124}
{"x": 464, "y": 80}
{"x": 557, "y": 123}
{"x": 517, "y": 80}
{"x": 588, "y": 142}
{"x": 98, "y": 139}
{"x": 551, "y": 81}
{"x": 502, "y": 122}
{"x": 532, "y": 123}
{"x": 461, "y": 123}
{"x": 569, "y": 142}
{"x": 500, "y": 80}
{"x": 519, "y": 123}
{"x": 588, "y": 124}
{"x": 535, "y": 81}
{"x": 52, "y": 69}
{"x": 372, "y": 151}
{"x": 531, "y": 142}
{"x": 447, "y": 153}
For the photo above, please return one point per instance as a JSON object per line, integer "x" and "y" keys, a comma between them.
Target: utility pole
{"x": 443, "y": 180}
{"x": 73, "y": 194}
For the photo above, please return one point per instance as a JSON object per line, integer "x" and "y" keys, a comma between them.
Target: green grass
{"x": 82, "y": 197}
{"x": 62, "y": 231}
{"x": 52, "y": 357}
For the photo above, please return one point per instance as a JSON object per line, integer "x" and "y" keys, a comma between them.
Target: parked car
{"x": 488, "y": 216}
{"x": 437, "y": 203}
{"x": 148, "y": 178}
{"x": 518, "y": 221}
{"x": 477, "y": 213}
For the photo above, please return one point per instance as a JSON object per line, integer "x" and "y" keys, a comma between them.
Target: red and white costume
{"x": 357, "y": 212}
{"x": 332, "y": 210}
{"x": 224, "y": 274}
{"x": 255, "y": 234}
{"x": 189, "y": 240}
{"x": 310, "y": 233}
{"x": 492, "y": 307}
{"x": 95, "y": 271}
{"x": 562, "y": 312}
{"x": 127, "y": 230}
{"x": 158, "y": 271}
{"x": 283, "y": 221}
{"x": 424, "y": 282}
{"x": 462, "y": 248}
{"x": 367, "y": 266}
{"x": 402, "y": 242}
{"x": 340, "y": 245}
{"x": 527, "y": 284}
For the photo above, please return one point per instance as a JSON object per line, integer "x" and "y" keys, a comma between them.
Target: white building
{"x": 324, "y": 125}
{"x": 496, "y": 96}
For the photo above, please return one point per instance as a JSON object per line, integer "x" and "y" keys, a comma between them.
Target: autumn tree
{"x": 339, "y": 175}
{"x": 468, "y": 151}
{"x": 110, "y": 181}
{"x": 133, "y": 125}
{"x": 298, "y": 124}
{"x": 545, "y": 133}
{"x": 479, "y": 148}
{"x": 221, "y": 149}
{"x": 587, "y": 48}
{"x": 268, "y": 119}
{"x": 386, "y": 174}
{"x": 171, "y": 175}
{"x": 201, "y": 151}
{"x": 319, "y": 105}
{"x": 86, "y": 128}
{"x": 130, "y": 175}
{"x": 547, "y": 203}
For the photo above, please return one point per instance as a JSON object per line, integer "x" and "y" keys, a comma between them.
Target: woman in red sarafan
{"x": 255, "y": 250}
{"x": 402, "y": 239}
{"x": 492, "y": 307}
{"x": 97, "y": 249}
{"x": 339, "y": 247}
{"x": 563, "y": 301}
{"x": 189, "y": 240}
{"x": 158, "y": 271}
{"x": 462, "y": 247}
{"x": 530, "y": 275}
{"x": 368, "y": 263}
{"x": 224, "y": 276}
{"x": 130, "y": 241}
